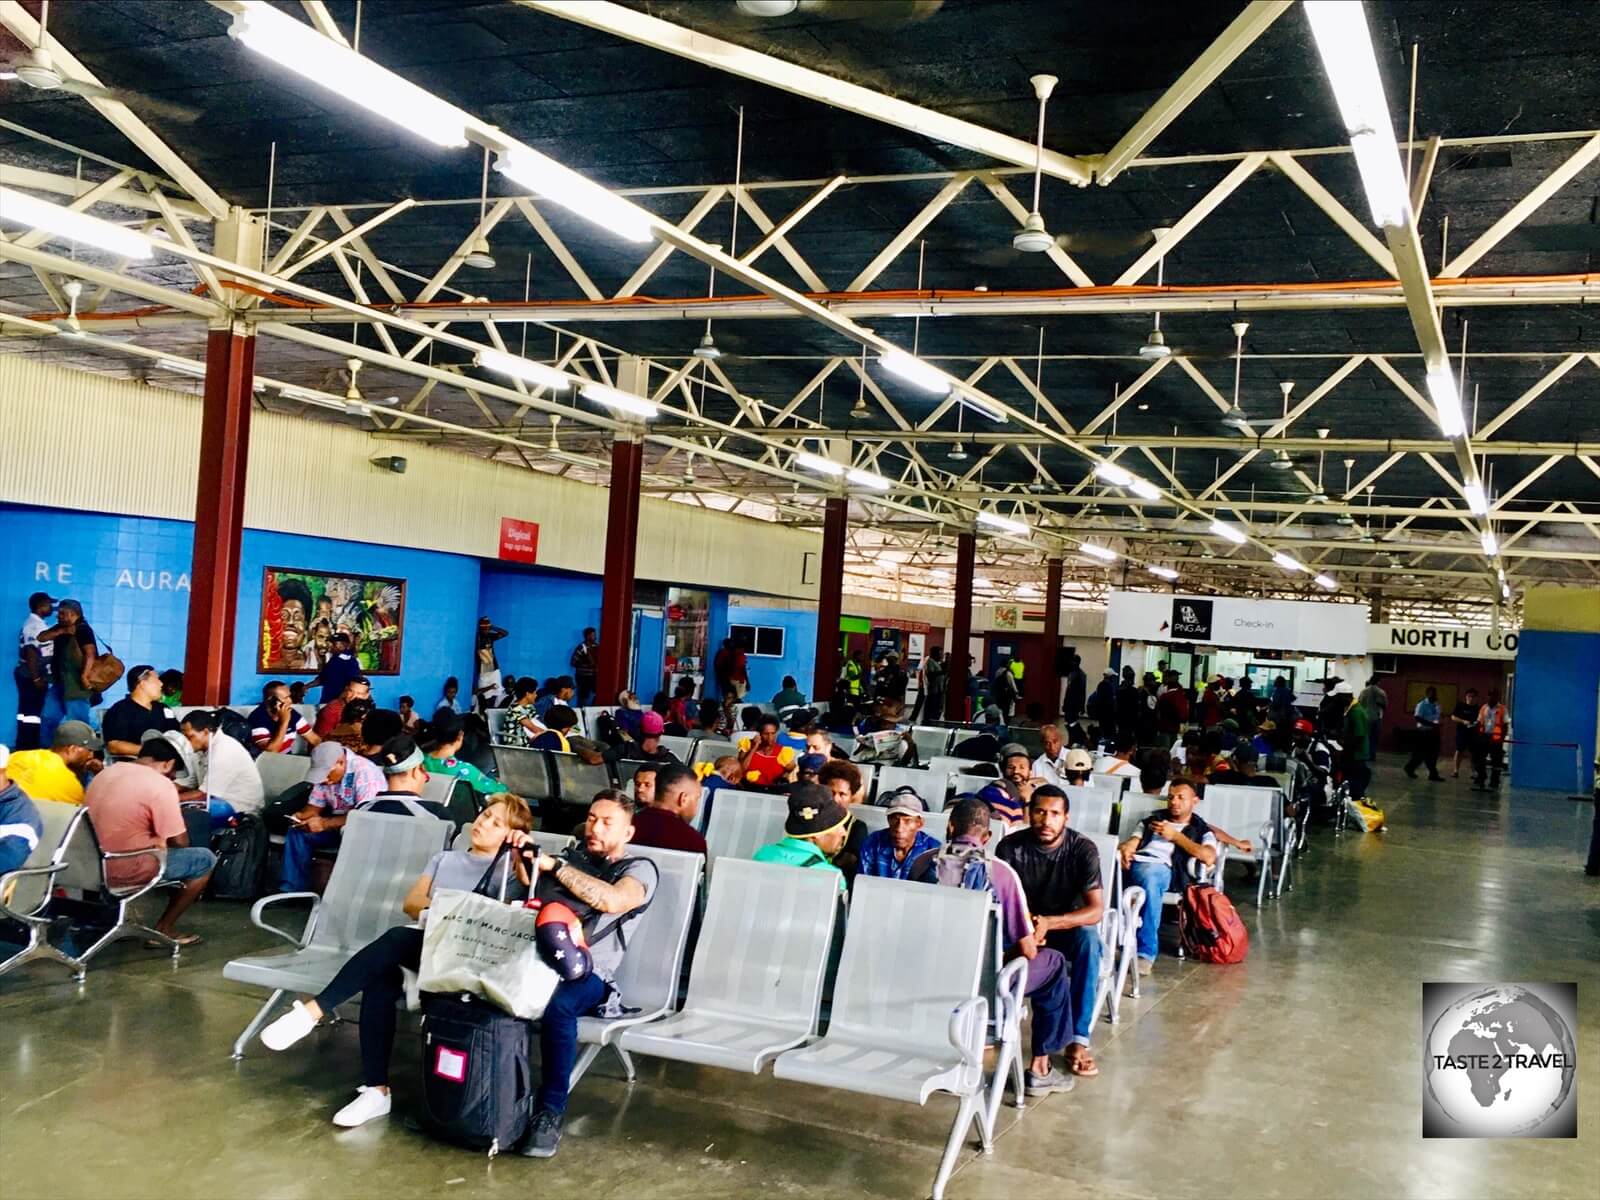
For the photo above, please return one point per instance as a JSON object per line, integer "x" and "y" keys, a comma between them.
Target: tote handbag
{"x": 477, "y": 944}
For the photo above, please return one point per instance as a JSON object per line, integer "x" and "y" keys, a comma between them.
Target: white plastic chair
{"x": 527, "y": 773}
{"x": 1091, "y": 809}
{"x": 906, "y": 1023}
{"x": 970, "y": 785}
{"x": 380, "y": 857}
{"x": 932, "y": 786}
{"x": 280, "y": 772}
{"x": 83, "y": 869}
{"x": 756, "y": 983}
{"x": 1119, "y": 927}
{"x": 26, "y": 891}
{"x": 743, "y": 822}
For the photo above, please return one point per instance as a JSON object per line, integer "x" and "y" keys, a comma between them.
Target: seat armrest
{"x": 8, "y": 882}
{"x": 967, "y": 1024}
{"x": 1010, "y": 988}
{"x": 1133, "y": 901}
{"x": 304, "y": 940}
{"x": 159, "y": 853}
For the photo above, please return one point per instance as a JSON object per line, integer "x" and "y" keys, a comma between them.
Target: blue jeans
{"x": 58, "y": 709}
{"x": 188, "y": 862}
{"x": 1155, "y": 878}
{"x": 297, "y": 847}
{"x": 1050, "y": 997}
{"x": 558, "y": 1036}
{"x": 1081, "y": 948}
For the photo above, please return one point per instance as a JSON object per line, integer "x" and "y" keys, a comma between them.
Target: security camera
{"x": 391, "y": 463}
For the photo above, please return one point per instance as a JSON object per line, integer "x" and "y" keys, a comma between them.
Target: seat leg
{"x": 1007, "y": 1060}
{"x": 38, "y": 948}
{"x": 627, "y": 1061}
{"x": 585, "y": 1061}
{"x": 256, "y": 1024}
{"x": 969, "y": 1111}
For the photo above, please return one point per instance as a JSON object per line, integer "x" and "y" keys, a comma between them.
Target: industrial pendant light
{"x": 1155, "y": 346}
{"x": 1033, "y": 238}
{"x": 1234, "y": 418}
{"x": 478, "y": 256}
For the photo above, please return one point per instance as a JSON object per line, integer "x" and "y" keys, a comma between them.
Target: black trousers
{"x": 1425, "y": 752}
{"x": 375, "y": 972}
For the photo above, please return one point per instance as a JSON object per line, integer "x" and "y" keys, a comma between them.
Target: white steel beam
{"x": 103, "y": 190}
{"x": 21, "y": 22}
{"x": 355, "y": 233}
{"x": 765, "y": 69}
{"x": 1523, "y": 209}
{"x": 906, "y": 236}
{"x": 1185, "y": 225}
{"x": 559, "y": 248}
{"x": 1490, "y": 428}
{"x": 1341, "y": 216}
{"x": 1233, "y": 41}
{"x": 663, "y": 250}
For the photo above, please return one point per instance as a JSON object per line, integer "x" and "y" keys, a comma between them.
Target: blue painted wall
{"x": 543, "y": 614}
{"x": 1557, "y": 678}
{"x": 799, "y": 649}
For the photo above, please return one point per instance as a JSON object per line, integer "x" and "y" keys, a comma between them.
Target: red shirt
{"x": 329, "y": 716}
{"x": 666, "y": 831}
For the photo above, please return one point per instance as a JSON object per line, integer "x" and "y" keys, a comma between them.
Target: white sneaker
{"x": 370, "y": 1104}
{"x": 288, "y": 1029}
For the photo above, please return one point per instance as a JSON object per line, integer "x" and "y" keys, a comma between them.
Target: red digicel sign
{"x": 519, "y": 540}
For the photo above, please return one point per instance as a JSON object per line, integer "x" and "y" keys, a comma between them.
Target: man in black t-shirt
{"x": 1464, "y": 720}
{"x": 126, "y": 722}
{"x": 1060, "y": 873}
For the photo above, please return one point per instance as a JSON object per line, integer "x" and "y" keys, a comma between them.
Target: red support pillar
{"x": 1049, "y": 691}
{"x": 961, "y": 627}
{"x": 616, "y": 590}
{"x": 219, "y": 516}
{"x": 830, "y": 597}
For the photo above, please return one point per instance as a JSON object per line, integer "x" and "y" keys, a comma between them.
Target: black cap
{"x": 813, "y": 811}
{"x": 39, "y": 598}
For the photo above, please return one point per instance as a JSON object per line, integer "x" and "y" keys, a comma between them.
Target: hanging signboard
{"x": 1442, "y": 641}
{"x": 1238, "y": 621}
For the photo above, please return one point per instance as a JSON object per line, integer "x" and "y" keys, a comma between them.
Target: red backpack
{"x": 1209, "y": 927}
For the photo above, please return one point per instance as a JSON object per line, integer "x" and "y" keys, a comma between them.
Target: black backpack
{"x": 241, "y": 850}
{"x": 236, "y": 727}
{"x": 477, "y": 1074}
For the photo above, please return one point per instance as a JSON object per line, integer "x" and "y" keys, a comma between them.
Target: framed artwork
{"x": 301, "y": 610}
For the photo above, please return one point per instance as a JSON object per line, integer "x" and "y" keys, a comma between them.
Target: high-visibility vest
{"x": 1493, "y": 722}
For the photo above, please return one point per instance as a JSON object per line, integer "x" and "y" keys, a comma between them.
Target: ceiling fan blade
{"x": 1109, "y": 244}
{"x": 171, "y": 110}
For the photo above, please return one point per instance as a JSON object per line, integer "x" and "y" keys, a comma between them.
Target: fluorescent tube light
{"x": 1005, "y": 523}
{"x": 980, "y": 407}
{"x": 1477, "y": 502}
{"x": 1491, "y": 546}
{"x": 1103, "y": 553}
{"x": 354, "y": 77}
{"x": 815, "y": 462}
{"x": 1287, "y": 563}
{"x": 1166, "y": 573}
{"x": 868, "y": 479}
{"x": 1345, "y": 44}
{"x": 1223, "y": 530}
{"x": 916, "y": 372}
{"x": 524, "y": 369}
{"x": 1113, "y": 474}
{"x": 1505, "y": 591}
{"x": 182, "y": 367}
{"x": 1143, "y": 487}
{"x": 1446, "y": 400}
{"x": 611, "y": 397}
{"x": 19, "y": 208}
{"x": 541, "y": 174}
{"x": 1327, "y": 582}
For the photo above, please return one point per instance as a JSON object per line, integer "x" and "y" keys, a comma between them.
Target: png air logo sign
{"x": 1191, "y": 619}
{"x": 1499, "y": 1060}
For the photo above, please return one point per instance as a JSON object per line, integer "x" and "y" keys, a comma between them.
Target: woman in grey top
{"x": 375, "y": 969}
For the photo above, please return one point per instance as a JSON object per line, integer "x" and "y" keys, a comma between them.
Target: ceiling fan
{"x": 36, "y": 68}
{"x": 872, "y": 12}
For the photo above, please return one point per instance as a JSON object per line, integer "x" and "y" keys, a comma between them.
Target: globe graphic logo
{"x": 1499, "y": 1062}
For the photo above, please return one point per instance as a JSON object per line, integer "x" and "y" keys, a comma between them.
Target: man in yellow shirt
{"x": 55, "y": 774}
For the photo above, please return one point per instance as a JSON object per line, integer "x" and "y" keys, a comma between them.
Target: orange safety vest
{"x": 1493, "y": 722}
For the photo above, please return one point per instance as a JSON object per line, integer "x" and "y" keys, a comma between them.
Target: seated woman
{"x": 521, "y": 724}
{"x": 375, "y": 969}
{"x": 441, "y": 740}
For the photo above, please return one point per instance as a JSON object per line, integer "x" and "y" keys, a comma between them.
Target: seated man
{"x": 1242, "y": 769}
{"x": 331, "y": 715}
{"x": 56, "y": 773}
{"x": 1121, "y": 761}
{"x": 725, "y": 772}
{"x": 644, "y": 790}
{"x": 814, "y": 832}
{"x": 820, "y": 741}
{"x": 765, "y": 761}
{"x": 274, "y": 723}
{"x": 340, "y": 780}
{"x": 1049, "y": 765}
{"x": 225, "y": 772}
{"x": 808, "y": 766}
{"x": 649, "y": 748}
{"x": 1158, "y": 855}
{"x": 134, "y": 806}
{"x": 561, "y": 693}
{"x": 440, "y": 741}
{"x": 404, "y": 776}
{"x": 890, "y": 852}
{"x": 559, "y": 722}
{"x": 1008, "y": 796}
{"x": 1076, "y": 767}
{"x": 20, "y": 826}
{"x": 667, "y": 820}
{"x": 962, "y": 863}
{"x": 790, "y": 696}
{"x": 127, "y": 721}
{"x": 1060, "y": 872}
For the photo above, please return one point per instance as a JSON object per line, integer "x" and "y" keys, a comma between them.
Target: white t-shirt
{"x": 1160, "y": 850}
{"x": 1110, "y": 764}
{"x": 29, "y": 636}
{"x": 227, "y": 772}
{"x": 1052, "y": 770}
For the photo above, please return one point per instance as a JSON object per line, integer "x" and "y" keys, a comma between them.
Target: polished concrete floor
{"x": 1296, "y": 1074}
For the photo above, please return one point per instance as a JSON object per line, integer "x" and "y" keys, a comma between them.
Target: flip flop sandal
{"x": 183, "y": 940}
{"x": 1077, "y": 1067}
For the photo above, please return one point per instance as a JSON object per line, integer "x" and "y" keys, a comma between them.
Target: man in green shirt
{"x": 815, "y": 831}
{"x": 790, "y": 697}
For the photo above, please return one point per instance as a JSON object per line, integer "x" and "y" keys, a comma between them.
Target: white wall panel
{"x": 141, "y": 449}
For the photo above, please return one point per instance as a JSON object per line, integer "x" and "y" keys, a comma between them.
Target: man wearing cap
{"x": 57, "y": 773}
{"x": 20, "y": 826}
{"x": 666, "y": 819}
{"x": 814, "y": 832}
{"x": 38, "y": 711}
{"x": 1060, "y": 872}
{"x": 341, "y": 667}
{"x": 808, "y": 766}
{"x": 340, "y": 781}
{"x": 889, "y": 853}
{"x": 128, "y": 720}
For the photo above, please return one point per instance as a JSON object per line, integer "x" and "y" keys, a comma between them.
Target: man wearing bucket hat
{"x": 889, "y": 853}
{"x": 815, "y": 831}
